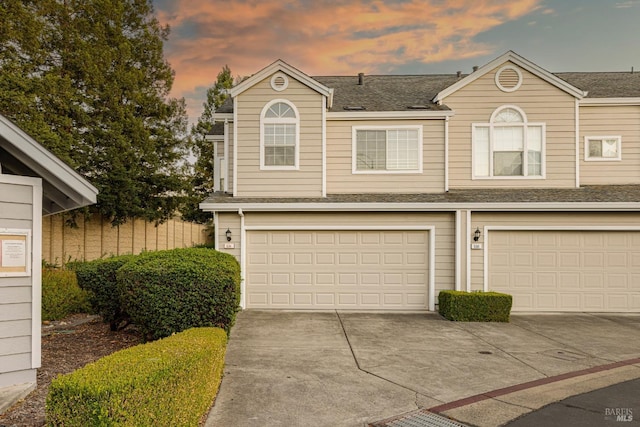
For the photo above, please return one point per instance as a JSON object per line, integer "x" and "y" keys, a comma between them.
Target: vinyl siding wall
{"x": 443, "y": 222}
{"x": 621, "y": 121}
{"x": 529, "y": 219}
{"x": 540, "y": 101}
{"x": 16, "y": 211}
{"x": 341, "y": 179}
{"x": 253, "y": 182}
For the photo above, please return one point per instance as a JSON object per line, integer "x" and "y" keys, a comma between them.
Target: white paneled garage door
{"x": 566, "y": 270}
{"x": 313, "y": 269}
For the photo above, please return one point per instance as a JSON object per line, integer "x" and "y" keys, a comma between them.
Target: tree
{"x": 88, "y": 79}
{"x": 202, "y": 179}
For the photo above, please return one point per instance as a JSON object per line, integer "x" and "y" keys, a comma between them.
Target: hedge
{"x": 61, "y": 295}
{"x": 475, "y": 306}
{"x": 99, "y": 277}
{"x": 170, "y": 291}
{"x": 170, "y": 382}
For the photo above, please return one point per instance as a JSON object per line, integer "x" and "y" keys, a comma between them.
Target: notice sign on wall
{"x": 15, "y": 253}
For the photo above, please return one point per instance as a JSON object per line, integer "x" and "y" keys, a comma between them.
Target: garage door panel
{"x": 581, "y": 271}
{"x": 337, "y": 269}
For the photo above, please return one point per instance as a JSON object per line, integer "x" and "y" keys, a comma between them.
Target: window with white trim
{"x": 602, "y": 148}
{"x": 279, "y": 136}
{"x": 508, "y": 146}
{"x": 393, "y": 149}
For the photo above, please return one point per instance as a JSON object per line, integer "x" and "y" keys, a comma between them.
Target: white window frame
{"x": 588, "y": 139}
{"x": 354, "y": 150}
{"x": 295, "y": 121}
{"x": 491, "y": 125}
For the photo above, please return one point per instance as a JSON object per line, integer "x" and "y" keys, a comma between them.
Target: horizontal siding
{"x": 15, "y": 294}
{"x": 15, "y": 311}
{"x": 340, "y": 176}
{"x": 541, "y": 102}
{"x": 16, "y": 212}
{"x": 253, "y": 182}
{"x": 16, "y": 193}
{"x": 15, "y": 328}
{"x": 15, "y": 362}
{"x": 229, "y": 221}
{"x": 480, "y": 219}
{"x": 621, "y": 121}
{"x": 15, "y": 345}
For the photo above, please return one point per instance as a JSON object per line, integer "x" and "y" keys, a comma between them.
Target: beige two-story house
{"x": 377, "y": 192}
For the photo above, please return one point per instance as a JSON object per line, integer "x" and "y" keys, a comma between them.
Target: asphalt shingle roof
{"x": 586, "y": 194}
{"x": 405, "y": 93}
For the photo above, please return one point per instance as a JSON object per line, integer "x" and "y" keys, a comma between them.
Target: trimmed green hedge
{"x": 475, "y": 306}
{"x": 99, "y": 277}
{"x": 170, "y": 291}
{"x": 61, "y": 295}
{"x": 170, "y": 382}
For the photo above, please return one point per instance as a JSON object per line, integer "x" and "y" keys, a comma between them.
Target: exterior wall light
{"x": 228, "y": 234}
{"x": 476, "y": 235}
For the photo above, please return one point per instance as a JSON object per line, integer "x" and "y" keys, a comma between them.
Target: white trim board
{"x": 431, "y": 245}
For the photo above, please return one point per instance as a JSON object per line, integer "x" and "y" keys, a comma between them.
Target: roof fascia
{"x": 52, "y": 169}
{"x": 413, "y": 115}
{"x": 410, "y": 207}
{"x": 280, "y": 65}
{"x": 519, "y": 61}
{"x": 610, "y": 101}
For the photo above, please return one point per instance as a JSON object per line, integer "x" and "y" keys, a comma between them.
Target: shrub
{"x": 475, "y": 306}
{"x": 170, "y": 382}
{"x": 99, "y": 277}
{"x": 170, "y": 291}
{"x": 61, "y": 295}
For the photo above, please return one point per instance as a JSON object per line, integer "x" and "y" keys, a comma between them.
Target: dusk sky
{"x": 324, "y": 37}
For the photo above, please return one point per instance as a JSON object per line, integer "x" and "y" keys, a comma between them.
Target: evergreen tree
{"x": 202, "y": 179}
{"x": 88, "y": 80}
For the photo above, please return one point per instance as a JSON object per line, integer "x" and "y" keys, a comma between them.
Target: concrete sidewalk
{"x": 351, "y": 369}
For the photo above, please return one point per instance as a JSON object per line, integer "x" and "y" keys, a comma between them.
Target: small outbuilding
{"x": 33, "y": 183}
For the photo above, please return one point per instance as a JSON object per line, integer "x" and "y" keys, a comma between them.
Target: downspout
{"x": 226, "y": 155}
{"x": 468, "y": 233}
{"x": 577, "y": 120}
{"x": 446, "y": 154}
{"x": 235, "y": 147}
{"x": 458, "y": 255}
{"x": 243, "y": 301}
{"x": 215, "y": 231}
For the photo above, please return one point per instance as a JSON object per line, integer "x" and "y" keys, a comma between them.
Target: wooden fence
{"x": 96, "y": 238}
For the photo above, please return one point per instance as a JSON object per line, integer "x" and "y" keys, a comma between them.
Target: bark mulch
{"x": 66, "y": 346}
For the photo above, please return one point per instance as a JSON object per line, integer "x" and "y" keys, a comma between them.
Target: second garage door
{"x": 315, "y": 269}
{"x": 567, "y": 270}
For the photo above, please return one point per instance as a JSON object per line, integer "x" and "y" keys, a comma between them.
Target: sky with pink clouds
{"x": 325, "y": 37}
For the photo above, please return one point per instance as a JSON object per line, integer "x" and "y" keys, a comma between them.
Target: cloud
{"x": 324, "y": 36}
{"x": 627, "y": 4}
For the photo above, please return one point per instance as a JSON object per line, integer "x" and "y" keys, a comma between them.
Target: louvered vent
{"x": 279, "y": 82}
{"x": 508, "y": 79}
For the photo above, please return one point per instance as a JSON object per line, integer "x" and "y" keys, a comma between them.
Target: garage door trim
{"x": 488, "y": 228}
{"x": 430, "y": 228}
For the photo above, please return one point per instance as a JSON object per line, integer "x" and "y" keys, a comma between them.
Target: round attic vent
{"x": 279, "y": 82}
{"x": 508, "y": 79}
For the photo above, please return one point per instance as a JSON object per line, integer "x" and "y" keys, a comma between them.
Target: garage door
{"x": 337, "y": 269}
{"x": 567, "y": 271}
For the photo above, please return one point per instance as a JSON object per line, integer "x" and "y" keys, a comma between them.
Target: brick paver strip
{"x": 530, "y": 384}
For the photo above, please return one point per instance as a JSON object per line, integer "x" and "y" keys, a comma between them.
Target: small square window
{"x": 602, "y": 148}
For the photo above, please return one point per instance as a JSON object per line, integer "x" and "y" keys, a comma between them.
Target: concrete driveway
{"x": 288, "y": 368}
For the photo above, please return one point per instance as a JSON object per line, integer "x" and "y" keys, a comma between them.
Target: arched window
{"x": 508, "y": 146}
{"x": 279, "y": 136}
